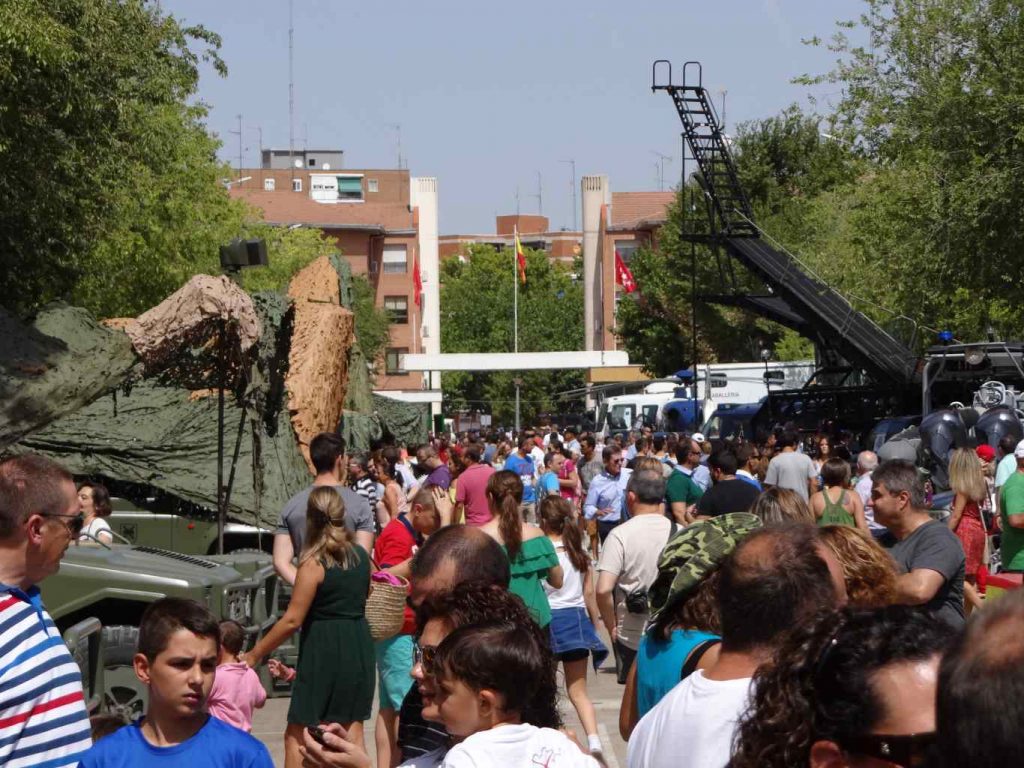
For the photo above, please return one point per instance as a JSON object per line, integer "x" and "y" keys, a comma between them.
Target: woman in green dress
{"x": 335, "y": 674}
{"x": 530, "y": 553}
{"x": 836, "y": 503}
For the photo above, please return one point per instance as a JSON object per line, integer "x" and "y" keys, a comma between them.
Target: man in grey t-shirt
{"x": 327, "y": 452}
{"x": 791, "y": 469}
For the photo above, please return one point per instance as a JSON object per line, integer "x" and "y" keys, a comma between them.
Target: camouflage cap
{"x": 693, "y": 553}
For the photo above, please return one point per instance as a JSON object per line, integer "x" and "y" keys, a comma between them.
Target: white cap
{"x": 1019, "y": 450}
{"x": 698, "y": 437}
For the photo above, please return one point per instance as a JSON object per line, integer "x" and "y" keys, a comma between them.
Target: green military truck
{"x": 98, "y": 596}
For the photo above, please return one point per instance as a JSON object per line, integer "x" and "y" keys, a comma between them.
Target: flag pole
{"x": 515, "y": 289}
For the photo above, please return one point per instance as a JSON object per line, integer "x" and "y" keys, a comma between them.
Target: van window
{"x": 621, "y": 416}
{"x": 719, "y": 380}
{"x": 650, "y": 415}
{"x": 774, "y": 377}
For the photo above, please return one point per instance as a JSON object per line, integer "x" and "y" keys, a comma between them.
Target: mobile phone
{"x": 317, "y": 733}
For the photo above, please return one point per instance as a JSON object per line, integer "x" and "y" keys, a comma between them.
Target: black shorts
{"x": 574, "y": 655}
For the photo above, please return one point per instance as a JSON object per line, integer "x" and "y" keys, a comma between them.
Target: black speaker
{"x": 243, "y": 253}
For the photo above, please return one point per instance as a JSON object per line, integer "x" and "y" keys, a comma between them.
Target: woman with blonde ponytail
{"x": 335, "y": 673}
{"x": 530, "y": 553}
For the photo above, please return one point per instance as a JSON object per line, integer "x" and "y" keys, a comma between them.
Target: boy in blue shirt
{"x": 179, "y": 642}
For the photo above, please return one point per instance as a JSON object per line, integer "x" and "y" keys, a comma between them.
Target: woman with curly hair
{"x": 868, "y": 570}
{"x": 851, "y": 688}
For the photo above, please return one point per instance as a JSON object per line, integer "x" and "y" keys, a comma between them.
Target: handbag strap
{"x": 694, "y": 657}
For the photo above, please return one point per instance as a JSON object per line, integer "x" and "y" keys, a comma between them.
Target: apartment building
{"x": 384, "y": 222}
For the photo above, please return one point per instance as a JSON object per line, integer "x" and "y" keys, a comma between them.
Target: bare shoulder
{"x": 531, "y": 532}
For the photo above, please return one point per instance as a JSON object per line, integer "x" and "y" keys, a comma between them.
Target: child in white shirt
{"x": 492, "y": 680}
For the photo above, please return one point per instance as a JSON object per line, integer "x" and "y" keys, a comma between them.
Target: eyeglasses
{"x": 72, "y": 527}
{"x": 424, "y": 656}
{"x": 912, "y": 750}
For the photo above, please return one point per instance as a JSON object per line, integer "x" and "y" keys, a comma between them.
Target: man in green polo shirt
{"x": 1012, "y": 515}
{"x": 681, "y": 492}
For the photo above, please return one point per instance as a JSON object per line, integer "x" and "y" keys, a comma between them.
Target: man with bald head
{"x": 454, "y": 555}
{"x": 775, "y": 579}
{"x": 867, "y": 463}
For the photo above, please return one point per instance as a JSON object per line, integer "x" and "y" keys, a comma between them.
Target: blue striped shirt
{"x": 43, "y": 722}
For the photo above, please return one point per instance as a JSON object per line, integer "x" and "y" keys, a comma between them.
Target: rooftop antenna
{"x": 239, "y": 134}
{"x": 662, "y": 159}
{"x": 517, "y": 199}
{"x": 572, "y": 186}
{"x": 539, "y": 196}
{"x": 291, "y": 89}
{"x": 397, "y": 128}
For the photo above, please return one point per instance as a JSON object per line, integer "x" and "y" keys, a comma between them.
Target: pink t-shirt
{"x": 235, "y": 694}
{"x": 471, "y": 491}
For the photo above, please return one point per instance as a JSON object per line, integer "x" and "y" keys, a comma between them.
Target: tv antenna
{"x": 397, "y": 128}
{"x": 660, "y": 165}
{"x": 572, "y": 187}
{"x": 539, "y": 195}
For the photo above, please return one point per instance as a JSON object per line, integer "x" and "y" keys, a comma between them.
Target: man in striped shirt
{"x": 43, "y": 722}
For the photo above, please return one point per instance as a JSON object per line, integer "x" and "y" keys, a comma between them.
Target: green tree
{"x": 372, "y": 322}
{"x": 932, "y": 100}
{"x": 110, "y": 191}
{"x": 477, "y": 316}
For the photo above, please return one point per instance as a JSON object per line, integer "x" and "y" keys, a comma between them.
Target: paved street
{"x": 268, "y": 724}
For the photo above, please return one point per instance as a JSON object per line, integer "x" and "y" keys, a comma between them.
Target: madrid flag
{"x": 622, "y": 274}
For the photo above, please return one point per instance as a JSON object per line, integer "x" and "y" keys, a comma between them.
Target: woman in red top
{"x": 968, "y": 483}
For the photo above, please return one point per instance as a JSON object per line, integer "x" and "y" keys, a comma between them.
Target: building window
{"x": 268, "y": 185}
{"x": 312, "y": 162}
{"x": 391, "y": 360}
{"x": 296, "y": 185}
{"x": 396, "y": 259}
{"x": 719, "y": 380}
{"x": 350, "y": 187}
{"x": 626, "y": 249}
{"x": 398, "y": 308}
{"x": 371, "y": 185}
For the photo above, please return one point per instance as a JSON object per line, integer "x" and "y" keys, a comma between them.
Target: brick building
{"x": 384, "y": 223}
{"x": 534, "y": 232}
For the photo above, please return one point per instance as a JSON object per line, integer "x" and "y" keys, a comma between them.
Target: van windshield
{"x": 726, "y": 427}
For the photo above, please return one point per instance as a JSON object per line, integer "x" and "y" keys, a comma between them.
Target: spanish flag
{"x": 520, "y": 259}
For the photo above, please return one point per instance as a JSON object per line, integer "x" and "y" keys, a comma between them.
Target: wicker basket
{"x": 385, "y": 608}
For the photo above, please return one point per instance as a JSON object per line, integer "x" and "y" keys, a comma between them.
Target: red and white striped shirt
{"x": 43, "y": 721}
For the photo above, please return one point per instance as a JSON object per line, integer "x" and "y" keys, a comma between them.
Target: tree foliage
{"x": 477, "y": 316}
{"x": 110, "y": 191}
{"x": 934, "y": 103}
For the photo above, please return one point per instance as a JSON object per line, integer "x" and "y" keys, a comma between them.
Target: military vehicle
{"x": 98, "y": 596}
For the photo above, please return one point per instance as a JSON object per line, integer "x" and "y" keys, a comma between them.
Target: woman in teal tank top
{"x": 531, "y": 554}
{"x": 836, "y": 504}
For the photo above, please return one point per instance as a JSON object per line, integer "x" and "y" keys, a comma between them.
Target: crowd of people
{"x": 773, "y": 602}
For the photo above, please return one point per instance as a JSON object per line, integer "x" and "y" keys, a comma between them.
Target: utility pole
{"x": 291, "y": 90}
{"x": 238, "y": 133}
{"x": 572, "y": 186}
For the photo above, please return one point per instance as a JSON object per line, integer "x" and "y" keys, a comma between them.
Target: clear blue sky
{"x": 489, "y": 95}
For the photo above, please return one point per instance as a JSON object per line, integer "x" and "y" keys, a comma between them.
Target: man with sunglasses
{"x": 42, "y": 706}
{"x": 606, "y": 496}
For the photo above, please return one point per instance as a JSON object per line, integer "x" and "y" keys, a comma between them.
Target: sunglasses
{"x": 424, "y": 656}
{"x": 910, "y": 751}
{"x": 72, "y": 526}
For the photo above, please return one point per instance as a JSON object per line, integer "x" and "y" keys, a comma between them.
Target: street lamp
{"x": 766, "y": 355}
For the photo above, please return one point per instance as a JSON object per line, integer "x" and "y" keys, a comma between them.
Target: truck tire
{"x": 119, "y": 645}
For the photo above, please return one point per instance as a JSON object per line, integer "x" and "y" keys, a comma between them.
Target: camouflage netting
{"x": 76, "y": 391}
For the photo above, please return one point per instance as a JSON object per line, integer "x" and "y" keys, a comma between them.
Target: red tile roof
{"x": 631, "y": 209}
{"x": 286, "y": 207}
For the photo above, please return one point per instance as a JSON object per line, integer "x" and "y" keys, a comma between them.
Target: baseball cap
{"x": 693, "y": 553}
{"x": 1019, "y": 450}
{"x": 985, "y": 452}
{"x": 697, "y": 437}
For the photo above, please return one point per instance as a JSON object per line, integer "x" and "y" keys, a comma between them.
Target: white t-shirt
{"x": 431, "y": 759}
{"x": 631, "y": 552}
{"x": 571, "y": 593}
{"x": 692, "y": 726}
{"x": 97, "y": 530}
{"x": 518, "y": 746}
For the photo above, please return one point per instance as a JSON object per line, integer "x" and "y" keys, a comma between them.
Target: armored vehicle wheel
{"x": 123, "y": 693}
